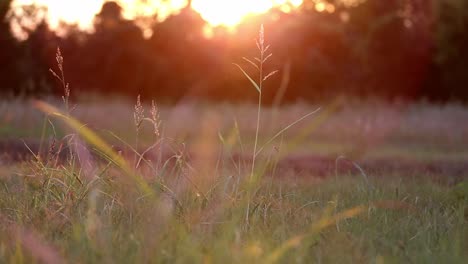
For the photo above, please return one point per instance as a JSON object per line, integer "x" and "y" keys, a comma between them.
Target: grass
{"x": 183, "y": 191}
{"x": 417, "y": 221}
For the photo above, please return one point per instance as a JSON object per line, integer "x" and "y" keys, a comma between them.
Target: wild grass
{"x": 205, "y": 200}
{"x": 292, "y": 220}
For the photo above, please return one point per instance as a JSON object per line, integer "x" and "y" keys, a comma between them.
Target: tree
{"x": 9, "y": 53}
{"x": 116, "y": 53}
{"x": 451, "y": 40}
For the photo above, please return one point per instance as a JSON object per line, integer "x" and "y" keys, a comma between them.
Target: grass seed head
{"x": 261, "y": 37}
{"x": 138, "y": 114}
{"x": 155, "y": 118}
{"x": 59, "y": 58}
{"x": 61, "y": 77}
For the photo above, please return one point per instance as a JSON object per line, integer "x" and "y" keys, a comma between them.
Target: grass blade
{"x": 285, "y": 129}
{"x": 251, "y": 62}
{"x": 325, "y": 222}
{"x": 248, "y": 77}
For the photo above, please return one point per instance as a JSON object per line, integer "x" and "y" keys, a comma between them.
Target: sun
{"x": 229, "y": 13}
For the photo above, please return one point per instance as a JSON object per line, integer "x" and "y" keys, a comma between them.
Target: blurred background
{"x": 169, "y": 50}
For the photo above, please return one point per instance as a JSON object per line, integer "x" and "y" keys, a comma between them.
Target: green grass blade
{"x": 325, "y": 222}
{"x": 248, "y": 77}
{"x": 284, "y": 130}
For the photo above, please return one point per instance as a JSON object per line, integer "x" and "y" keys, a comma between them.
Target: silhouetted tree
{"x": 182, "y": 53}
{"x": 9, "y": 53}
{"x": 115, "y": 54}
{"x": 38, "y": 56}
{"x": 451, "y": 60}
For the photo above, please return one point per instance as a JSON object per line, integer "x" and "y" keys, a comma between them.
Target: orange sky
{"x": 82, "y": 12}
{"x": 216, "y": 12}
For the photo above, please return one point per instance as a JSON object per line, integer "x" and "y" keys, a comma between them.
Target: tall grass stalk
{"x": 138, "y": 116}
{"x": 264, "y": 55}
{"x": 258, "y": 85}
{"x": 61, "y": 79}
{"x": 259, "y": 65}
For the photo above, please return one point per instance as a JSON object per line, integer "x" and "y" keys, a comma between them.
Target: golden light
{"x": 352, "y": 3}
{"x": 229, "y": 13}
{"x": 82, "y": 12}
{"x": 216, "y": 12}
{"x": 320, "y": 7}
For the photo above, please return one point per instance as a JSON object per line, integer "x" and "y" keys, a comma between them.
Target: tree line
{"x": 408, "y": 49}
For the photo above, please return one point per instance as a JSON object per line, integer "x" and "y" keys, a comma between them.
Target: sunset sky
{"x": 226, "y": 13}
{"x": 218, "y": 12}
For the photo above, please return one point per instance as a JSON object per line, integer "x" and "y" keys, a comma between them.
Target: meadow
{"x": 348, "y": 181}
{"x": 355, "y": 182}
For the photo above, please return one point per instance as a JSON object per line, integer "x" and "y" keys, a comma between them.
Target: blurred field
{"x": 399, "y": 195}
{"x": 361, "y": 129}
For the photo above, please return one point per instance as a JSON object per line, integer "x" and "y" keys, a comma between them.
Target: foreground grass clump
{"x": 291, "y": 220}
